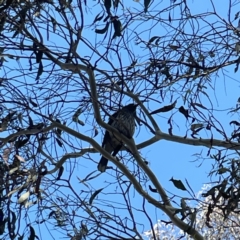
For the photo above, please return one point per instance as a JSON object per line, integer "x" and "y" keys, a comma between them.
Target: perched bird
{"x": 124, "y": 121}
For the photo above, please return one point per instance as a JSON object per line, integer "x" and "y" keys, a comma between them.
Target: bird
{"x": 124, "y": 121}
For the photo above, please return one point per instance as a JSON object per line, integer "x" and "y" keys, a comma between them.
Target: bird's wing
{"x": 107, "y": 135}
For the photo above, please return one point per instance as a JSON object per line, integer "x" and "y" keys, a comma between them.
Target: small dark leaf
{"x": 40, "y": 70}
{"x": 115, "y": 3}
{"x": 152, "y": 39}
{"x": 169, "y": 18}
{"x": 59, "y": 131}
{"x": 178, "y": 184}
{"x": 32, "y": 233}
{"x": 60, "y": 172}
{"x": 95, "y": 132}
{"x": 59, "y": 142}
{"x": 33, "y": 103}
{"x": 117, "y": 28}
{"x": 222, "y": 170}
{"x": 106, "y": 18}
{"x": 146, "y": 5}
{"x": 94, "y": 195}
{"x": 21, "y": 143}
{"x": 30, "y": 121}
{"x": 184, "y": 112}
{"x": 165, "y": 108}
{"x": 39, "y": 56}
{"x": 235, "y": 123}
{"x": 2, "y": 226}
{"x": 108, "y": 4}
{"x": 152, "y": 189}
{"x": 199, "y": 105}
{"x": 237, "y": 64}
{"x": 97, "y": 18}
{"x": 102, "y": 31}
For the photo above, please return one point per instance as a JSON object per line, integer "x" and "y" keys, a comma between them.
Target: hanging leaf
{"x": 165, "y": 108}
{"x": 40, "y": 70}
{"x": 21, "y": 159}
{"x": 24, "y": 197}
{"x": 108, "y": 5}
{"x": 196, "y": 126}
{"x": 98, "y": 18}
{"x": 184, "y": 112}
{"x": 152, "y": 189}
{"x": 30, "y": 121}
{"x": 59, "y": 131}
{"x": 94, "y": 195}
{"x": 33, "y": 103}
{"x": 60, "y": 172}
{"x": 146, "y": 5}
{"x": 60, "y": 144}
{"x": 153, "y": 39}
{"x": 235, "y": 123}
{"x": 178, "y": 184}
{"x": 174, "y": 47}
{"x": 169, "y": 18}
{"x": 117, "y": 28}
{"x": 32, "y": 234}
{"x": 39, "y": 56}
{"x": 102, "y": 31}
{"x": 20, "y": 143}
{"x": 54, "y": 23}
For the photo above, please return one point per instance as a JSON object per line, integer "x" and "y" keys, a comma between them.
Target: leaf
{"x": 174, "y": 47}
{"x": 199, "y": 105}
{"x": 222, "y": 170}
{"x": 54, "y": 23}
{"x": 178, "y": 184}
{"x": 152, "y": 189}
{"x": 30, "y": 121}
{"x": 97, "y": 18}
{"x": 21, "y": 143}
{"x": 32, "y": 233}
{"x": 108, "y": 5}
{"x": 196, "y": 125}
{"x": 21, "y": 159}
{"x": 184, "y": 112}
{"x": 39, "y": 56}
{"x": 117, "y": 28}
{"x": 33, "y": 103}
{"x": 95, "y": 132}
{"x": 115, "y": 3}
{"x": 59, "y": 131}
{"x": 146, "y": 5}
{"x": 102, "y": 31}
{"x": 169, "y": 17}
{"x": 24, "y": 197}
{"x": 235, "y": 123}
{"x": 60, "y": 144}
{"x": 40, "y": 70}
{"x": 60, "y": 172}
{"x": 153, "y": 39}
{"x": 94, "y": 195}
{"x": 165, "y": 108}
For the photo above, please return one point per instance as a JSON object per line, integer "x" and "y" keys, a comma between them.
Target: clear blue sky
{"x": 166, "y": 159}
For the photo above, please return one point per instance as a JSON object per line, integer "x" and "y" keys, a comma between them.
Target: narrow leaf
{"x": 94, "y": 195}
{"x": 178, "y": 184}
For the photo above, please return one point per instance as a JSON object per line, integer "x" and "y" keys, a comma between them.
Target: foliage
{"x": 222, "y": 228}
{"x": 66, "y": 66}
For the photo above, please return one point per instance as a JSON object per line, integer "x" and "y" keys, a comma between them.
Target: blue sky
{"x": 166, "y": 159}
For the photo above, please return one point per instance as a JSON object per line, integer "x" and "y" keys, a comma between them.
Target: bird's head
{"x": 131, "y": 107}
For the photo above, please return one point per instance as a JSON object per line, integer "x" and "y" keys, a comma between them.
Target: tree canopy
{"x": 66, "y": 66}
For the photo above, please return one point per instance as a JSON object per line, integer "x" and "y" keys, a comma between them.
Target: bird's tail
{"x": 102, "y": 165}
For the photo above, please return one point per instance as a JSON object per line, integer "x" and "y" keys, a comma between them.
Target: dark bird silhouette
{"x": 124, "y": 121}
